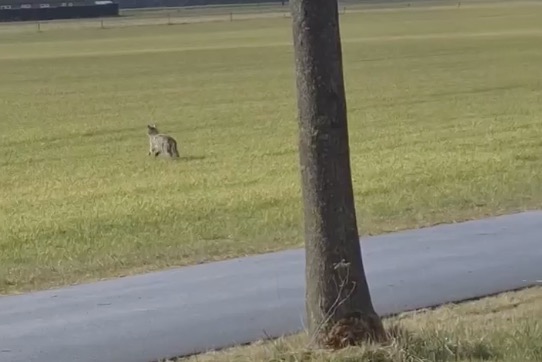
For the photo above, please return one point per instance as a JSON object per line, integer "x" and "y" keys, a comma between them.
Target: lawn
{"x": 504, "y": 328}
{"x": 444, "y": 114}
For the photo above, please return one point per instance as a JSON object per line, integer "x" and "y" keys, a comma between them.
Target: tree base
{"x": 353, "y": 330}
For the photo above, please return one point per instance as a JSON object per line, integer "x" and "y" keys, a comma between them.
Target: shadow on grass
{"x": 192, "y": 158}
{"x": 181, "y": 158}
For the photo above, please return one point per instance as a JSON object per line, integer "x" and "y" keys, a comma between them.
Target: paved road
{"x": 187, "y": 310}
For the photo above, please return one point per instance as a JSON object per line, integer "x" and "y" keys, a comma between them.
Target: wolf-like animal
{"x": 161, "y": 143}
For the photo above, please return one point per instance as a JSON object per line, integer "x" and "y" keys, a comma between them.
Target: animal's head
{"x": 151, "y": 129}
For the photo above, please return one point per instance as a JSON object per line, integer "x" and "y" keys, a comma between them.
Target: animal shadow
{"x": 191, "y": 158}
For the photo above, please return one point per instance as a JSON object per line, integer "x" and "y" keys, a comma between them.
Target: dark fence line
{"x": 15, "y": 4}
{"x": 141, "y": 4}
{"x": 61, "y": 12}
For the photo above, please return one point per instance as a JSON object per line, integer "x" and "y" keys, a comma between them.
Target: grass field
{"x": 503, "y": 328}
{"x": 445, "y": 125}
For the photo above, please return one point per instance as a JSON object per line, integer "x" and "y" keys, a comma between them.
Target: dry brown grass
{"x": 507, "y": 328}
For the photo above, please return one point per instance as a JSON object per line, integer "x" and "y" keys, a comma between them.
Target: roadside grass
{"x": 444, "y": 115}
{"x": 506, "y": 328}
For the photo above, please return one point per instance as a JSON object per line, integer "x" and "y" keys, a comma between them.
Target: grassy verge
{"x": 503, "y": 328}
{"x": 444, "y": 112}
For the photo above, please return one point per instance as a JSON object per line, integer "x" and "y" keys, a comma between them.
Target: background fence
{"x": 141, "y": 4}
{"x": 232, "y": 12}
{"x": 60, "y": 12}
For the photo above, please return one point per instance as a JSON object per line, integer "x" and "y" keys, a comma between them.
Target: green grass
{"x": 444, "y": 113}
{"x": 504, "y": 328}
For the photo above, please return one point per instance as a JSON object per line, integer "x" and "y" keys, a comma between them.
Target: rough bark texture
{"x": 338, "y": 302}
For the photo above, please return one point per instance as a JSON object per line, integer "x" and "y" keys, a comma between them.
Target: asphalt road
{"x": 192, "y": 309}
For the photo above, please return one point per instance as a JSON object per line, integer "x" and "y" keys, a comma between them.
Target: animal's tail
{"x": 173, "y": 150}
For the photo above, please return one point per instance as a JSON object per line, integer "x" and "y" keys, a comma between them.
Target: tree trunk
{"x": 339, "y": 307}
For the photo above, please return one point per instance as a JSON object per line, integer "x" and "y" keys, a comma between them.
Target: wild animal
{"x": 161, "y": 144}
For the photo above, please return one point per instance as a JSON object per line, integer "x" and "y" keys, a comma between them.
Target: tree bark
{"x": 338, "y": 302}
